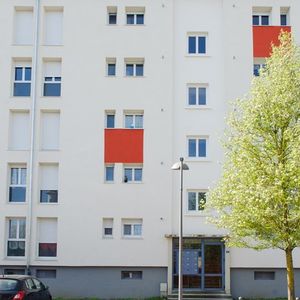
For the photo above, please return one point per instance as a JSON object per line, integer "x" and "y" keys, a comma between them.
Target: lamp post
{"x": 180, "y": 166}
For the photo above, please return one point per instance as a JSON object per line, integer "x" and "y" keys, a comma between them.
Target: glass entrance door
{"x": 202, "y": 264}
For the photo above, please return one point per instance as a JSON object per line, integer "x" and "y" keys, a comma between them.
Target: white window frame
{"x": 133, "y": 168}
{"x": 262, "y": 11}
{"x": 197, "y": 210}
{"x": 197, "y": 35}
{"x": 132, "y": 223}
{"x": 134, "y": 11}
{"x": 112, "y": 10}
{"x": 17, "y": 239}
{"x": 197, "y": 86}
{"x": 109, "y": 165}
{"x": 110, "y": 113}
{"x": 134, "y": 116}
{"x": 111, "y": 61}
{"x": 134, "y": 62}
{"x": 23, "y": 65}
{"x": 19, "y": 181}
{"x": 197, "y": 138}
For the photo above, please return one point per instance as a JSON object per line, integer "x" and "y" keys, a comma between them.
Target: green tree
{"x": 258, "y": 197}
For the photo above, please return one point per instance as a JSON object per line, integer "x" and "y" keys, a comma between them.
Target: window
{"x": 134, "y": 68}
{"x": 284, "y": 16}
{"x": 196, "y": 201}
{"x": 133, "y": 174}
{"x": 112, "y": 15}
{"x": 135, "y": 15}
{"x": 110, "y": 120}
{"x": 132, "y": 227}
{"x": 50, "y": 122}
{"x": 197, "y": 147}
{"x": 109, "y": 173}
{"x": 197, "y": 95}
{"x": 46, "y": 273}
{"x": 16, "y": 237}
{"x": 23, "y": 26}
{"x": 258, "y": 64}
{"x": 19, "y": 137}
{"x": 52, "y": 79}
{"x": 131, "y": 274}
{"x": 17, "y": 186}
{"x": 260, "y": 20}
{"x": 14, "y": 271}
{"x": 111, "y": 66}
{"x": 53, "y": 26}
{"x": 47, "y": 237}
{"x": 108, "y": 227}
{"x": 48, "y": 183}
{"x": 22, "y": 80}
{"x": 264, "y": 275}
{"x": 197, "y": 43}
{"x": 134, "y": 121}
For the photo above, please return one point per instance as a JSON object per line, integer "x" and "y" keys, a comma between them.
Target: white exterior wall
{"x": 84, "y": 198}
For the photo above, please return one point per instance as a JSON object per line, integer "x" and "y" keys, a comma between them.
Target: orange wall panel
{"x": 264, "y": 36}
{"x": 124, "y": 145}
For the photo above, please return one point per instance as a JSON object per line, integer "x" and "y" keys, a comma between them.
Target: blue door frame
{"x": 203, "y": 274}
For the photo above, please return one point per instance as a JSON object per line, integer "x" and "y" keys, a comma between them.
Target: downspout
{"x": 32, "y": 138}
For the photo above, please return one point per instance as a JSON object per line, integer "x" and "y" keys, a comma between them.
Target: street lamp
{"x": 180, "y": 166}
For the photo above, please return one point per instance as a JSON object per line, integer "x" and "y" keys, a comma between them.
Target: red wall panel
{"x": 124, "y": 145}
{"x": 264, "y": 36}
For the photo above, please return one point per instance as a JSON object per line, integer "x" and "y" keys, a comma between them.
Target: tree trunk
{"x": 290, "y": 273}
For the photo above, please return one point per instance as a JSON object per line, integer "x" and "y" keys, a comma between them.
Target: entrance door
{"x": 202, "y": 264}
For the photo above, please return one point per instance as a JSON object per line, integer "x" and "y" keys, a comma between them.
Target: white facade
{"x": 72, "y": 92}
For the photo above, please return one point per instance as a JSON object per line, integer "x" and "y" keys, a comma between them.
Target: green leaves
{"x": 258, "y": 198}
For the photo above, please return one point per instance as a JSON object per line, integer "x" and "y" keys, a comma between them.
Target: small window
{"x": 197, "y": 95}
{"x": 196, "y": 201}
{"x": 111, "y": 66}
{"x": 134, "y": 68}
{"x": 284, "y": 16}
{"x": 17, "y": 186}
{"x": 46, "y": 273}
{"x": 110, "y": 119}
{"x": 109, "y": 173}
{"x": 131, "y": 275}
{"x": 257, "y": 66}
{"x": 135, "y": 15}
{"x": 134, "y": 121}
{"x": 16, "y": 237}
{"x": 14, "y": 271}
{"x": 197, "y": 147}
{"x": 264, "y": 275}
{"x": 197, "y": 43}
{"x": 22, "y": 80}
{"x": 112, "y": 15}
{"x": 52, "y": 79}
{"x": 133, "y": 174}
{"x": 132, "y": 227}
{"x": 108, "y": 227}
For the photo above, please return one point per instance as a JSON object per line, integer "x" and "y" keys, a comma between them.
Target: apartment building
{"x": 98, "y": 99}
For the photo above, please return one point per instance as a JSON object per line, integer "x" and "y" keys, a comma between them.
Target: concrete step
{"x": 201, "y": 296}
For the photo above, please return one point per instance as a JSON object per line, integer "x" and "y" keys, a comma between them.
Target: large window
{"x": 197, "y": 43}
{"x": 52, "y": 79}
{"x": 260, "y": 20}
{"x": 135, "y": 15}
{"x": 133, "y": 174}
{"x": 16, "y": 237}
{"x": 22, "y": 80}
{"x": 134, "y": 67}
{"x": 48, "y": 183}
{"x": 23, "y": 27}
{"x": 17, "y": 185}
{"x": 196, "y": 200}
{"x": 134, "y": 120}
{"x": 50, "y": 123}
{"x": 47, "y": 237}
{"x": 197, "y": 95}
{"x": 197, "y": 147}
{"x": 132, "y": 227}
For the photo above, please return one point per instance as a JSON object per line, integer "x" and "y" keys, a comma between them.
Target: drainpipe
{"x": 32, "y": 139}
